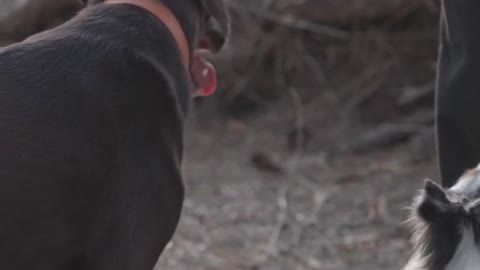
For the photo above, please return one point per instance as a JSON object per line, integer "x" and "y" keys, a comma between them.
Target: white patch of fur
{"x": 467, "y": 255}
{"x": 416, "y": 262}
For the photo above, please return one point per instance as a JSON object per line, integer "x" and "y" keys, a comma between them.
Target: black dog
{"x": 446, "y": 225}
{"x": 91, "y": 126}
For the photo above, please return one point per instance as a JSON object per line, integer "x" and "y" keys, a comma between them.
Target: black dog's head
{"x": 206, "y": 22}
{"x": 217, "y": 24}
{"x": 446, "y": 225}
{"x": 206, "y": 26}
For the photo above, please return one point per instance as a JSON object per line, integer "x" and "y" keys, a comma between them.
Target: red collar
{"x": 166, "y": 16}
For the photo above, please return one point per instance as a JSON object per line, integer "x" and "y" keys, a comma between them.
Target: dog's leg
{"x": 458, "y": 94}
{"x": 143, "y": 217}
{"x": 147, "y": 190}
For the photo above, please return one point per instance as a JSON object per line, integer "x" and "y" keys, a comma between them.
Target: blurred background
{"x": 316, "y": 142}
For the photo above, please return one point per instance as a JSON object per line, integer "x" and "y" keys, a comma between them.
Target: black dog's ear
{"x": 217, "y": 28}
{"x": 433, "y": 204}
{"x": 434, "y": 191}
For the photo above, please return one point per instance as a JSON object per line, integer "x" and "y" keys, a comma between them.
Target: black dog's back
{"x": 91, "y": 119}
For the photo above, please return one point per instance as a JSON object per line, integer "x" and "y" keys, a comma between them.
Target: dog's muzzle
{"x": 215, "y": 36}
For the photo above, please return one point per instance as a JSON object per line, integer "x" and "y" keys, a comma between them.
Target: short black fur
{"x": 91, "y": 127}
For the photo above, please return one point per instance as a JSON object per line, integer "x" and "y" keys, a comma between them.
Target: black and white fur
{"x": 446, "y": 226}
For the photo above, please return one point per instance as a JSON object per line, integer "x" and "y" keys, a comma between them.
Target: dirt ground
{"x": 314, "y": 210}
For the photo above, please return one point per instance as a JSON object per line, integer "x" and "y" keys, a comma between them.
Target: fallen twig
{"x": 299, "y": 124}
{"x": 413, "y": 94}
{"x": 292, "y": 22}
{"x": 282, "y": 203}
{"x": 381, "y": 136}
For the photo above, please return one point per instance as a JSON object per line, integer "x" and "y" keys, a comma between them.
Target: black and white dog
{"x": 446, "y": 225}
{"x": 91, "y": 127}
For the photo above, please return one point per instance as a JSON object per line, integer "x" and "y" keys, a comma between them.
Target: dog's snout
{"x": 215, "y": 34}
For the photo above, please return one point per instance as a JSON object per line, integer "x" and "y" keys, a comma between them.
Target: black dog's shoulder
{"x": 103, "y": 44}
{"x": 94, "y": 66}
{"x": 94, "y": 76}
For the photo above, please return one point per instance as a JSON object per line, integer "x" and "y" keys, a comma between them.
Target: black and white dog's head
{"x": 446, "y": 226}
